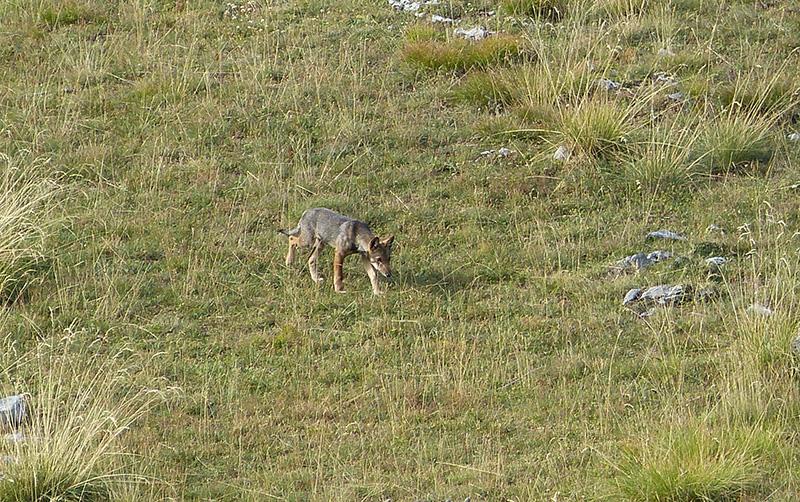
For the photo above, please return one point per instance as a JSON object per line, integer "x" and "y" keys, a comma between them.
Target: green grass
{"x": 152, "y": 149}
{"x": 694, "y": 463}
{"x": 461, "y": 55}
{"x": 552, "y": 9}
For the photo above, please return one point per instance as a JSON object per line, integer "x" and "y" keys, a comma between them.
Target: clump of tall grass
{"x": 759, "y": 93}
{"x": 736, "y": 139}
{"x": 485, "y": 89}
{"x": 461, "y": 55}
{"x": 596, "y": 127}
{"x": 83, "y": 400}
{"x": 661, "y": 163}
{"x": 25, "y": 218}
{"x": 696, "y": 462}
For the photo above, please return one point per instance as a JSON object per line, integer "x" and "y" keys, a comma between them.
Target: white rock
{"x": 759, "y": 309}
{"x": 665, "y": 294}
{"x": 716, "y": 261}
{"x": 441, "y": 19}
{"x": 608, "y": 84}
{"x": 664, "y": 52}
{"x": 475, "y": 34}
{"x": 631, "y": 296}
{"x": 500, "y": 152}
{"x": 562, "y": 154}
{"x": 665, "y": 234}
{"x": 664, "y": 78}
{"x": 795, "y": 136}
{"x": 15, "y": 437}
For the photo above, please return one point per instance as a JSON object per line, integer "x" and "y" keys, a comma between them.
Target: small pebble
{"x": 562, "y": 154}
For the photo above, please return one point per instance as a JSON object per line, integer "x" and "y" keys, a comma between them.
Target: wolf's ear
{"x": 374, "y": 243}
{"x": 388, "y": 242}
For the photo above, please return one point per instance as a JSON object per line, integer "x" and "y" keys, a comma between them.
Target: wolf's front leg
{"x": 338, "y": 276}
{"x": 373, "y": 275}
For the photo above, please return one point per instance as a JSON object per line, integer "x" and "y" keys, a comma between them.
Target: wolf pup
{"x": 320, "y": 226}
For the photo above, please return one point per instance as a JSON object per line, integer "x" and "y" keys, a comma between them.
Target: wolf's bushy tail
{"x": 293, "y": 232}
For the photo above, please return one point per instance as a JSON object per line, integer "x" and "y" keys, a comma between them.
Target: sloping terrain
{"x": 177, "y": 136}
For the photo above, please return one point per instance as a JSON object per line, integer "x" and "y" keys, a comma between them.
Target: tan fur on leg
{"x": 293, "y": 242}
{"x": 338, "y": 277}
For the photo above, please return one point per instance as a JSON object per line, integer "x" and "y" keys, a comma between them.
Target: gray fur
{"x": 323, "y": 225}
{"x": 319, "y": 226}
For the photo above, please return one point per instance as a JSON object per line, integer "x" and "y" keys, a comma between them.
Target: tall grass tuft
{"x": 696, "y": 462}
{"x": 461, "y": 55}
{"x": 25, "y": 218}
{"x": 596, "y": 127}
{"x": 83, "y": 400}
{"x": 661, "y": 163}
{"x": 734, "y": 140}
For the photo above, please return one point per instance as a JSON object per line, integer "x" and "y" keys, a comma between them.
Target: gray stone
{"x": 666, "y": 294}
{"x": 795, "y": 136}
{"x": 637, "y": 261}
{"x": 714, "y": 228}
{"x": 716, "y": 261}
{"x": 640, "y": 261}
{"x": 631, "y": 296}
{"x": 608, "y": 84}
{"x": 665, "y": 52}
{"x": 665, "y": 234}
{"x": 13, "y": 411}
{"x": 676, "y": 96}
{"x": 657, "y": 256}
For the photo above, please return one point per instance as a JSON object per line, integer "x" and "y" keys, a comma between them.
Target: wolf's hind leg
{"x": 293, "y": 243}
{"x": 312, "y": 262}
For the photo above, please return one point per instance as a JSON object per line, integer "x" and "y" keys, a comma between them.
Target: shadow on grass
{"x": 436, "y": 281}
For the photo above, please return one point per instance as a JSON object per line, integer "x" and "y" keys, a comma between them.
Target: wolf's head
{"x": 379, "y": 254}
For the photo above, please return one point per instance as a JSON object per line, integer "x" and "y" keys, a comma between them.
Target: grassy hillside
{"x": 151, "y": 149}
